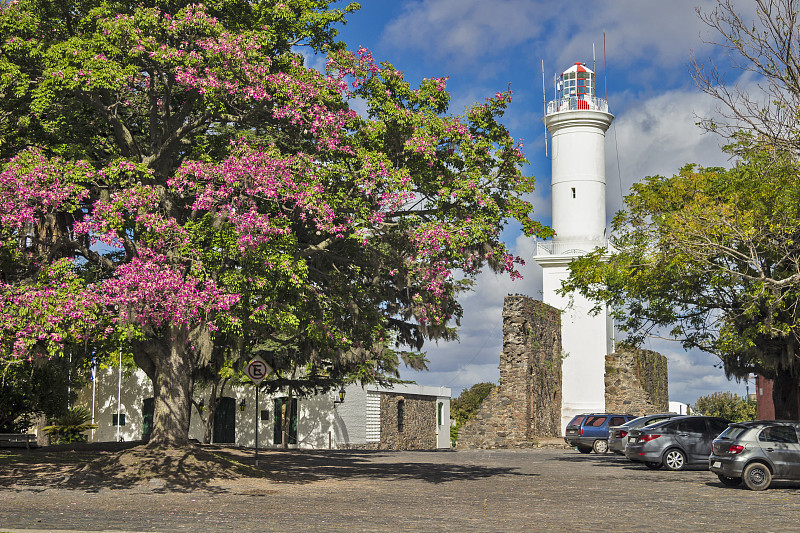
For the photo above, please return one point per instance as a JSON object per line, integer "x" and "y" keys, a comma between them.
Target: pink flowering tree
{"x": 177, "y": 181}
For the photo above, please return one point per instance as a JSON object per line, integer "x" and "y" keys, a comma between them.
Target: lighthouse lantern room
{"x": 577, "y": 121}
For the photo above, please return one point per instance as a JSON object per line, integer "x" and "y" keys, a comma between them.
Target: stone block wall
{"x": 636, "y": 382}
{"x": 416, "y": 430}
{"x": 527, "y": 402}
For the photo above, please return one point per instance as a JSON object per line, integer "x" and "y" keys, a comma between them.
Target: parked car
{"x": 675, "y": 443}
{"x": 618, "y": 435}
{"x": 589, "y": 431}
{"x": 756, "y": 453}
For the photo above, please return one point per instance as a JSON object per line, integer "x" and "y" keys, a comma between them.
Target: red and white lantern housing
{"x": 575, "y": 89}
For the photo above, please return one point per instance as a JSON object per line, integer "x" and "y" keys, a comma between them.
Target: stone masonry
{"x": 636, "y": 382}
{"x": 408, "y": 422}
{"x": 527, "y": 403}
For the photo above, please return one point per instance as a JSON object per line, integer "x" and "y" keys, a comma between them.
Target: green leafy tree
{"x": 36, "y": 387}
{"x": 711, "y": 257}
{"x": 466, "y": 406}
{"x": 726, "y": 405}
{"x": 177, "y": 182}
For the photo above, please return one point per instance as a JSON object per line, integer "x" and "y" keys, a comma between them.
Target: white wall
{"x": 349, "y": 417}
{"x": 678, "y": 407}
{"x": 578, "y": 174}
{"x": 443, "y": 429}
{"x": 135, "y": 388}
{"x": 584, "y": 342}
{"x": 321, "y": 423}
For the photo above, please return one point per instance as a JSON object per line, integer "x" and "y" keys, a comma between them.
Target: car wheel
{"x": 674, "y": 460}
{"x": 653, "y": 465}
{"x": 729, "y": 481}
{"x": 757, "y": 476}
{"x": 584, "y": 449}
{"x": 600, "y": 446}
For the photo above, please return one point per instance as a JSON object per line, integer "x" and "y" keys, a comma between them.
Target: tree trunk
{"x": 169, "y": 365}
{"x": 208, "y": 421}
{"x": 785, "y": 395}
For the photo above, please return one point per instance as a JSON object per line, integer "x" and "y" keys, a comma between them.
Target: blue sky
{"x": 485, "y": 46}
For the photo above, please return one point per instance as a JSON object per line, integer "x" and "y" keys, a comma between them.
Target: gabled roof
{"x": 578, "y": 67}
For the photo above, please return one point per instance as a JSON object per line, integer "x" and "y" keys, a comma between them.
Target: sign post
{"x": 257, "y": 369}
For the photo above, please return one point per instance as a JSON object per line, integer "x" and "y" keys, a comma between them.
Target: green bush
{"x": 465, "y": 407}
{"x": 70, "y": 427}
{"x": 726, "y": 405}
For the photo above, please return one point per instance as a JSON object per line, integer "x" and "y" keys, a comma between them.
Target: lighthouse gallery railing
{"x": 577, "y": 103}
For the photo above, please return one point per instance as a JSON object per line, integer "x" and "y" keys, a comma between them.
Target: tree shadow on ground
{"x": 91, "y": 467}
{"x": 95, "y": 467}
{"x": 306, "y": 466}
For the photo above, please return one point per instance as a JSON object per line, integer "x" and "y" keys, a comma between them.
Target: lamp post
{"x": 342, "y": 394}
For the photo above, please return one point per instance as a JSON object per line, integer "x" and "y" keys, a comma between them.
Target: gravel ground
{"x": 547, "y": 489}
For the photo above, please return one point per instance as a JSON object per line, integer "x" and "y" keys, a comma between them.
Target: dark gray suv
{"x": 676, "y": 443}
{"x": 756, "y": 453}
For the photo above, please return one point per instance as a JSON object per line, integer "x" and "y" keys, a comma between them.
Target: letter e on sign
{"x": 257, "y": 369}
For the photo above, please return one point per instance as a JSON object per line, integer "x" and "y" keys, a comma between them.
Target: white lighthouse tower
{"x": 577, "y": 121}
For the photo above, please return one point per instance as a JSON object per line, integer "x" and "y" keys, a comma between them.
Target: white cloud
{"x": 475, "y": 357}
{"x": 467, "y": 32}
{"x": 463, "y": 30}
{"x": 311, "y": 59}
{"x": 657, "y": 136}
{"x": 694, "y": 373}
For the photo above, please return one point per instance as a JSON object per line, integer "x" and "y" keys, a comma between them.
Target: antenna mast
{"x": 605, "y": 75}
{"x": 544, "y": 108}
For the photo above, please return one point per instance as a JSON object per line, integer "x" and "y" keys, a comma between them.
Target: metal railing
{"x": 577, "y": 103}
{"x": 567, "y": 247}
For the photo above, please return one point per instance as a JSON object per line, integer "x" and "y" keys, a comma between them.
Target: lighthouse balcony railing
{"x": 575, "y": 248}
{"x": 577, "y": 103}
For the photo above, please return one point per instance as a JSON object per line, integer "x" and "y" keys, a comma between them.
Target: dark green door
{"x": 148, "y": 409}
{"x": 278, "y": 419}
{"x": 225, "y": 421}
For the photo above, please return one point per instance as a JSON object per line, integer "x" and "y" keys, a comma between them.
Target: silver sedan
{"x": 618, "y": 435}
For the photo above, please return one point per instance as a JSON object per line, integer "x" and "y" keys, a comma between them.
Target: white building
{"x": 679, "y": 407}
{"x": 577, "y": 121}
{"x": 406, "y": 416}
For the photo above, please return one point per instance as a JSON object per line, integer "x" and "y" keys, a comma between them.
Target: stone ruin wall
{"x": 636, "y": 382}
{"x": 527, "y": 402}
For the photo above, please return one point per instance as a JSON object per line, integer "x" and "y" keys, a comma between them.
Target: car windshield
{"x": 660, "y": 424}
{"x": 732, "y": 432}
{"x": 577, "y": 420}
{"x": 657, "y": 421}
{"x": 646, "y": 421}
{"x": 595, "y": 421}
{"x": 636, "y": 422}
